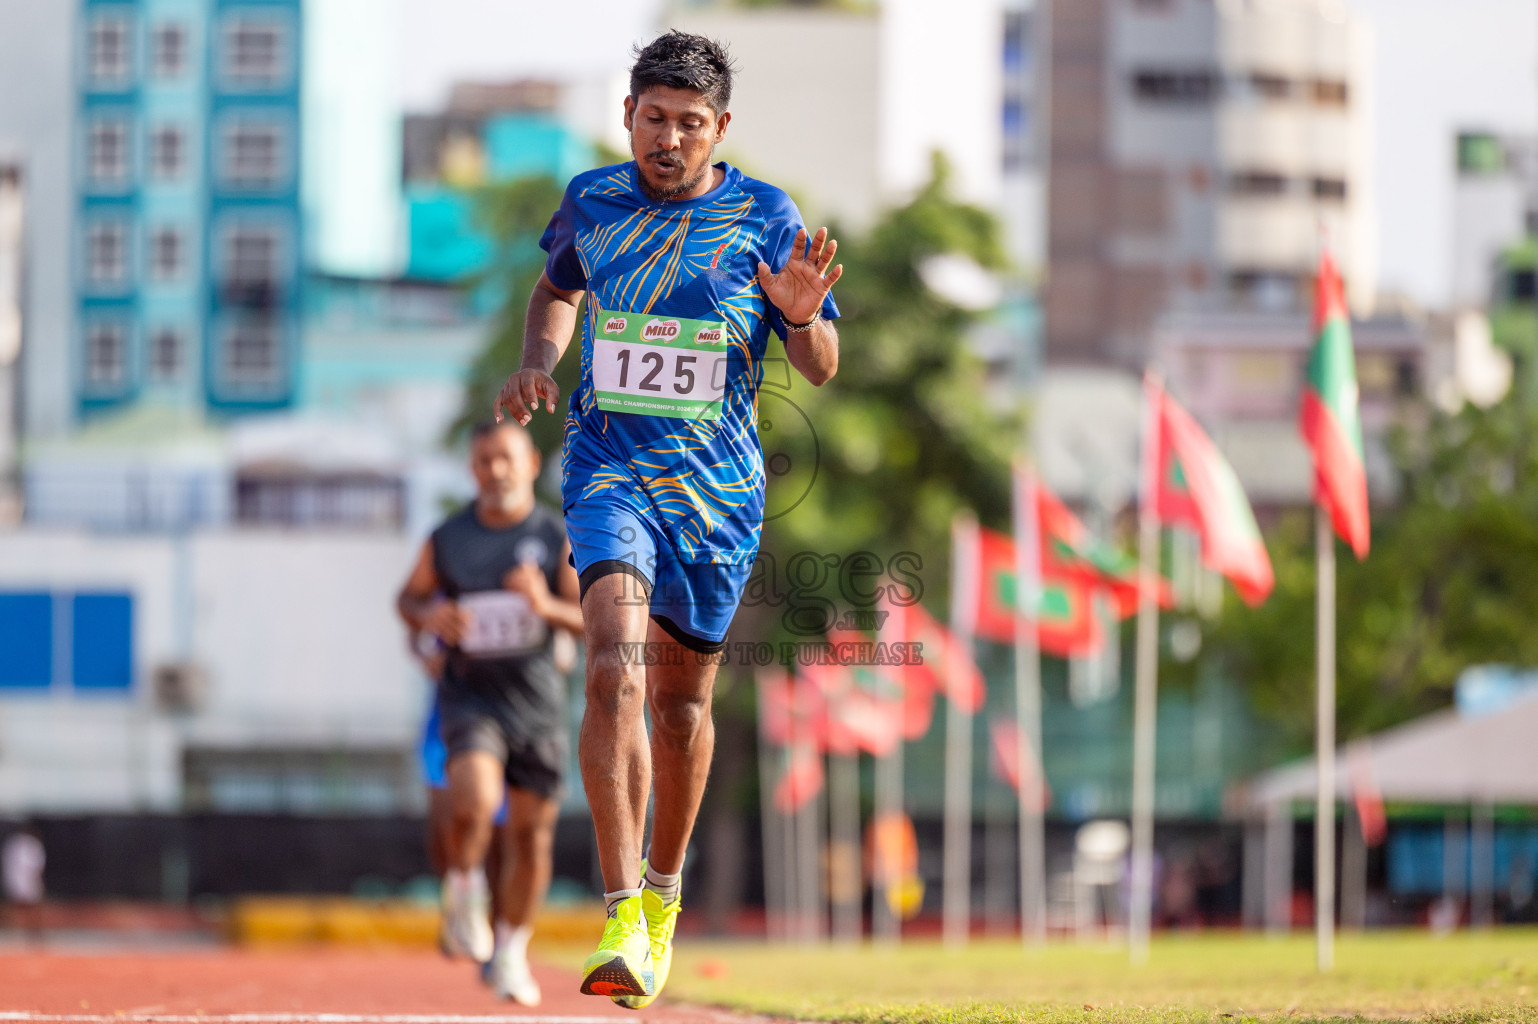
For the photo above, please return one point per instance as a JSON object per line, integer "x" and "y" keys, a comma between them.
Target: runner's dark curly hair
{"x": 680, "y": 60}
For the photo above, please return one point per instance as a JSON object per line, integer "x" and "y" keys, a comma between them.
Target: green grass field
{"x": 1209, "y": 978}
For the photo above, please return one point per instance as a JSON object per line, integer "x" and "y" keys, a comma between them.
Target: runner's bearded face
{"x": 673, "y": 135}
{"x": 505, "y": 465}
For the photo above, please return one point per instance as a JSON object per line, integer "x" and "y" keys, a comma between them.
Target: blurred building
{"x": 1196, "y": 150}
{"x": 1242, "y": 375}
{"x": 351, "y": 114}
{"x": 1495, "y": 209}
{"x": 489, "y": 132}
{"x": 842, "y": 105}
{"x": 187, "y": 227}
{"x": 1022, "y": 187}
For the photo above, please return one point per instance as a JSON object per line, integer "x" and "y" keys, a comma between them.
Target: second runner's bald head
{"x": 676, "y": 113}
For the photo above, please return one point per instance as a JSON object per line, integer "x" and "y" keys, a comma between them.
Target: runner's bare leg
{"x": 529, "y": 834}
{"x": 475, "y": 793}
{"x": 679, "y": 690}
{"x": 611, "y": 748}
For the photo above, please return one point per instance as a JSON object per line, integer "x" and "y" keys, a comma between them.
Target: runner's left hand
{"x": 527, "y": 579}
{"x": 801, "y": 285}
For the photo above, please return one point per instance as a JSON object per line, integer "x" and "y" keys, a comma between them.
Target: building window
{"x": 1257, "y": 183}
{"x": 1329, "y": 188}
{"x": 167, "y": 351}
{"x": 168, "y": 152}
{"x": 1270, "y": 87}
{"x": 107, "y": 152}
{"x": 166, "y": 254}
{"x": 107, "y": 253}
{"x": 1189, "y": 86}
{"x": 252, "y": 155}
{"x": 251, "y": 353}
{"x": 253, "y": 52}
{"x": 1329, "y": 92}
{"x": 168, "y": 49}
{"x": 109, "y": 53}
{"x": 251, "y": 257}
{"x": 106, "y": 355}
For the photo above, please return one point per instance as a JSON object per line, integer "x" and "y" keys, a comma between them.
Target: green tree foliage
{"x": 1452, "y": 581}
{"x": 902, "y": 437}
{"x": 514, "y": 215}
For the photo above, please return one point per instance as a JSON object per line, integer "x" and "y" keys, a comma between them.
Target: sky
{"x": 1439, "y": 65}
{"x": 452, "y": 39}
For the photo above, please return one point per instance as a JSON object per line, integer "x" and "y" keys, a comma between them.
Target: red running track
{"x": 229, "y": 986}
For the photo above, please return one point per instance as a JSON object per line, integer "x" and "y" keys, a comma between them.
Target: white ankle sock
{"x": 612, "y": 899}
{"x": 514, "y": 939}
{"x": 665, "y": 886}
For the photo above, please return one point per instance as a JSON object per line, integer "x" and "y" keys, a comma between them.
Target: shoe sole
{"x": 615, "y": 978}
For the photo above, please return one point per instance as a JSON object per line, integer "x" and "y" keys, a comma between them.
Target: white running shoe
{"x": 467, "y": 918}
{"x": 512, "y": 979}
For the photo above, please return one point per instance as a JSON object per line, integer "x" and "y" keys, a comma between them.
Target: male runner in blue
{"x": 686, "y": 267}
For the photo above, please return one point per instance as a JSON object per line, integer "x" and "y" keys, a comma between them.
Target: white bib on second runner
{"x": 501, "y": 623}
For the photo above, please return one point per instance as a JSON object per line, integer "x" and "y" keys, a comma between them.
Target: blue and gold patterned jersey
{"x": 673, "y": 343}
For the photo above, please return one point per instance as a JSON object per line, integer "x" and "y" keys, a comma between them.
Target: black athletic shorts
{"x": 533, "y": 755}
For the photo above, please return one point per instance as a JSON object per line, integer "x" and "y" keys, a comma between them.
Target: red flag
{"x": 947, "y": 667}
{"x": 1197, "y": 487}
{"x": 1005, "y": 740}
{"x": 794, "y": 710}
{"x": 858, "y": 717}
{"x": 1329, "y": 418}
{"x": 914, "y": 684}
{"x": 801, "y": 780}
{"x": 1065, "y": 622}
{"x": 1367, "y": 796}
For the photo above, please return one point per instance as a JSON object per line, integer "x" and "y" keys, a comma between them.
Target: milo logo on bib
{"x": 659, "y": 366}
{"x": 660, "y": 330}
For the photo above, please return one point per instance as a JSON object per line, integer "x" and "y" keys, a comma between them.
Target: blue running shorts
{"x": 693, "y": 602}
{"x": 433, "y": 755}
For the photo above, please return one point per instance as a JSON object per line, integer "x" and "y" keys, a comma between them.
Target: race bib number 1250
{"x": 659, "y": 365}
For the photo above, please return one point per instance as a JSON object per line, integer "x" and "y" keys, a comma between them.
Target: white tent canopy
{"x": 1445, "y": 758}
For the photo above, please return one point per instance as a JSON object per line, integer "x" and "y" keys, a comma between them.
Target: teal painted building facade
{"x": 188, "y": 240}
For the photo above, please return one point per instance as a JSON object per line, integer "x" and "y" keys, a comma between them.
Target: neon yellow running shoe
{"x": 660, "y": 921}
{"x": 622, "y": 964}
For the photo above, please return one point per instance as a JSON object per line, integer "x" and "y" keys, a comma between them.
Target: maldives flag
{"x": 912, "y": 685}
{"x": 1005, "y": 742}
{"x": 1328, "y": 418}
{"x": 794, "y": 709}
{"x": 862, "y": 711}
{"x": 1367, "y": 796}
{"x": 1066, "y": 624}
{"x": 800, "y": 780}
{"x": 1198, "y": 488}
{"x": 946, "y": 666}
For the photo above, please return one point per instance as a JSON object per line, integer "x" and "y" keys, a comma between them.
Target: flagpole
{"x": 1145, "y": 700}
{"x": 1324, "y": 808}
{"x": 844, "y": 876}
{"x": 957, "y": 902}
{"x": 769, "y": 822}
{"x": 885, "y": 926}
{"x": 1033, "y": 873}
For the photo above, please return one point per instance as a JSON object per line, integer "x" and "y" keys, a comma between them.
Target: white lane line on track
{"x": 298, "y": 1018}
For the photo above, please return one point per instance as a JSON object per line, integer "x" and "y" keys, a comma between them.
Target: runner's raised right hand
{"x": 521, "y": 394}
